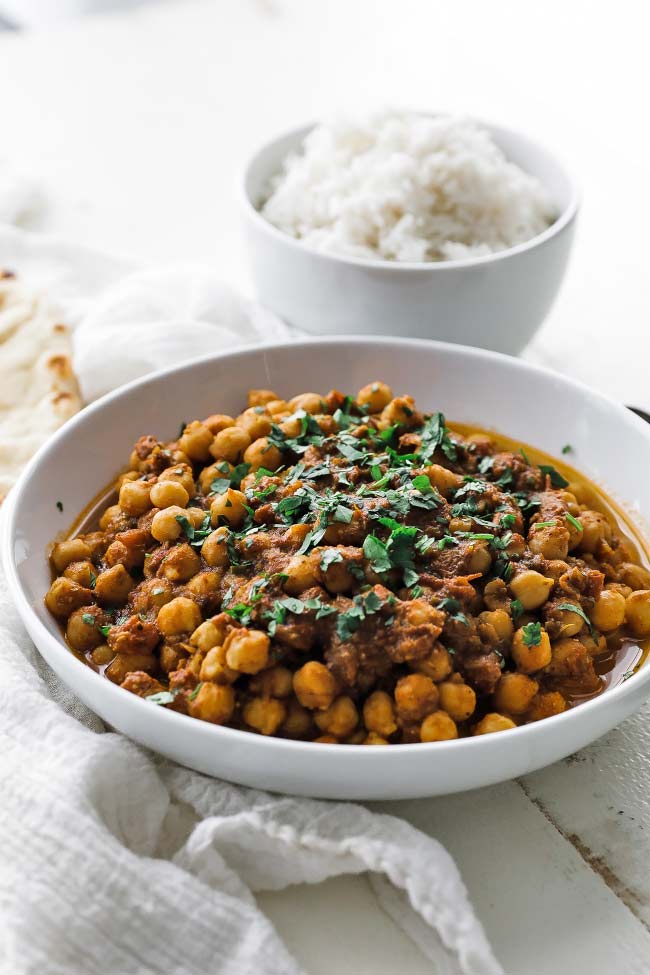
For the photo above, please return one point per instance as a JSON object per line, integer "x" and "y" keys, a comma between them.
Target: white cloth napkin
{"x": 115, "y": 860}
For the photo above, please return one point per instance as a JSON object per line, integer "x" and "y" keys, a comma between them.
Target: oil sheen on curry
{"x": 348, "y": 569}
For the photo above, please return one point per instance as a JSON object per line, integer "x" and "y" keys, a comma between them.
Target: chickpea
{"x": 165, "y": 526}
{"x": 570, "y": 623}
{"x": 180, "y": 564}
{"x": 529, "y": 658}
{"x": 339, "y": 719}
{"x": 135, "y": 498}
{"x": 82, "y": 631}
{"x": 83, "y": 573}
{"x": 608, "y": 612}
{"x": 326, "y": 740}
{"x": 633, "y": 575}
{"x": 314, "y": 685}
{"x": 264, "y": 714}
{"x": 128, "y": 476}
{"x": 625, "y": 591}
{"x": 379, "y": 714}
{"x": 637, "y": 610}
{"x": 400, "y": 410}
{"x": 357, "y": 737}
{"x": 214, "y": 667}
{"x": 298, "y": 721}
{"x": 438, "y": 727}
{"x": 292, "y": 426}
{"x": 213, "y": 702}
{"x": 180, "y": 615}
{"x": 261, "y": 453}
{"x": 278, "y": 407}
{"x": 556, "y": 568}
{"x": 196, "y": 441}
{"x": 514, "y": 693}
{"x": 337, "y": 576}
{"x": 459, "y": 525}
{"x": 230, "y": 444}
{"x": 375, "y": 396}
{"x": 301, "y": 575}
{"x": 546, "y": 705}
{"x": 215, "y": 548}
{"x": 569, "y": 658}
{"x": 230, "y": 506}
{"x": 218, "y": 471}
{"x": 247, "y": 650}
{"x": 479, "y": 559}
{"x": 255, "y": 421}
{"x": 71, "y": 550}
{"x": 206, "y": 636}
{"x": 102, "y": 655}
{"x": 123, "y": 664}
{"x": 458, "y": 700}
{"x": 166, "y": 494}
{"x": 182, "y": 474}
{"x": 261, "y": 397}
{"x": 372, "y": 738}
{"x": 113, "y": 586}
{"x": 415, "y": 697}
{"x": 309, "y": 402}
{"x": 275, "y": 682}
{"x": 437, "y": 665}
{"x": 112, "y": 518}
{"x": 551, "y": 542}
{"x": 493, "y": 722}
{"x": 595, "y": 529}
{"x": 444, "y": 480}
{"x": 218, "y": 422}
{"x": 500, "y": 622}
{"x": 531, "y": 588}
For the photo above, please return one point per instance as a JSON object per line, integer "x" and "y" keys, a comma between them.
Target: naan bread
{"x": 38, "y": 389}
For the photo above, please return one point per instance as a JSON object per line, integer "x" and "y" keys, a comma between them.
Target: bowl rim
{"x": 297, "y": 133}
{"x": 85, "y": 675}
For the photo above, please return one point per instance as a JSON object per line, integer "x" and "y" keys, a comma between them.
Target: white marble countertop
{"x": 135, "y": 124}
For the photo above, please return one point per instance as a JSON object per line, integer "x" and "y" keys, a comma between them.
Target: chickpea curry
{"x": 350, "y": 570}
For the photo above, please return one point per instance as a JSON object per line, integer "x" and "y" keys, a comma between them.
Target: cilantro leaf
{"x": 532, "y": 634}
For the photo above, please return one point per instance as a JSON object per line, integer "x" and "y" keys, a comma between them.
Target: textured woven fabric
{"x": 116, "y": 861}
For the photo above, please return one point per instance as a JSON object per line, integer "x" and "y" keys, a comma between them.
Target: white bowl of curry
{"x": 284, "y": 566}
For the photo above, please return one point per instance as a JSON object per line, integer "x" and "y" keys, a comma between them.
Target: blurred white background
{"x": 135, "y": 124}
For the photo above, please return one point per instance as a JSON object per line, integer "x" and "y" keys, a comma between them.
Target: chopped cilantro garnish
{"x": 190, "y": 697}
{"x": 544, "y": 524}
{"x": 453, "y": 608}
{"x": 574, "y": 608}
{"x": 567, "y": 449}
{"x": 162, "y": 697}
{"x": 574, "y": 521}
{"x": 434, "y": 434}
{"x": 88, "y": 619}
{"x": 328, "y": 557}
{"x": 532, "y": 634}
{"x": 557, "y": 480}
{"x": 516, "y": 609}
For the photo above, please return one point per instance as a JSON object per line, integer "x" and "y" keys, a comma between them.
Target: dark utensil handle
{"x": 642, "y": 413}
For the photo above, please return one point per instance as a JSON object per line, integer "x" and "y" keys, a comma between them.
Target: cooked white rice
{"x": 406, "y": 187}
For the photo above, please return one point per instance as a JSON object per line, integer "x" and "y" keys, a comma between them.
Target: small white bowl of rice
{"x": 402, "y": 223}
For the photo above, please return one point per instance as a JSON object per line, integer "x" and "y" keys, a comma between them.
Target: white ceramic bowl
{"x": 469, "y": 385}
{"x": 496, "y": 302}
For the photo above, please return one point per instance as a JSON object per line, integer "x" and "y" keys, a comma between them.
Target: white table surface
{"x": 135, "y": 124}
